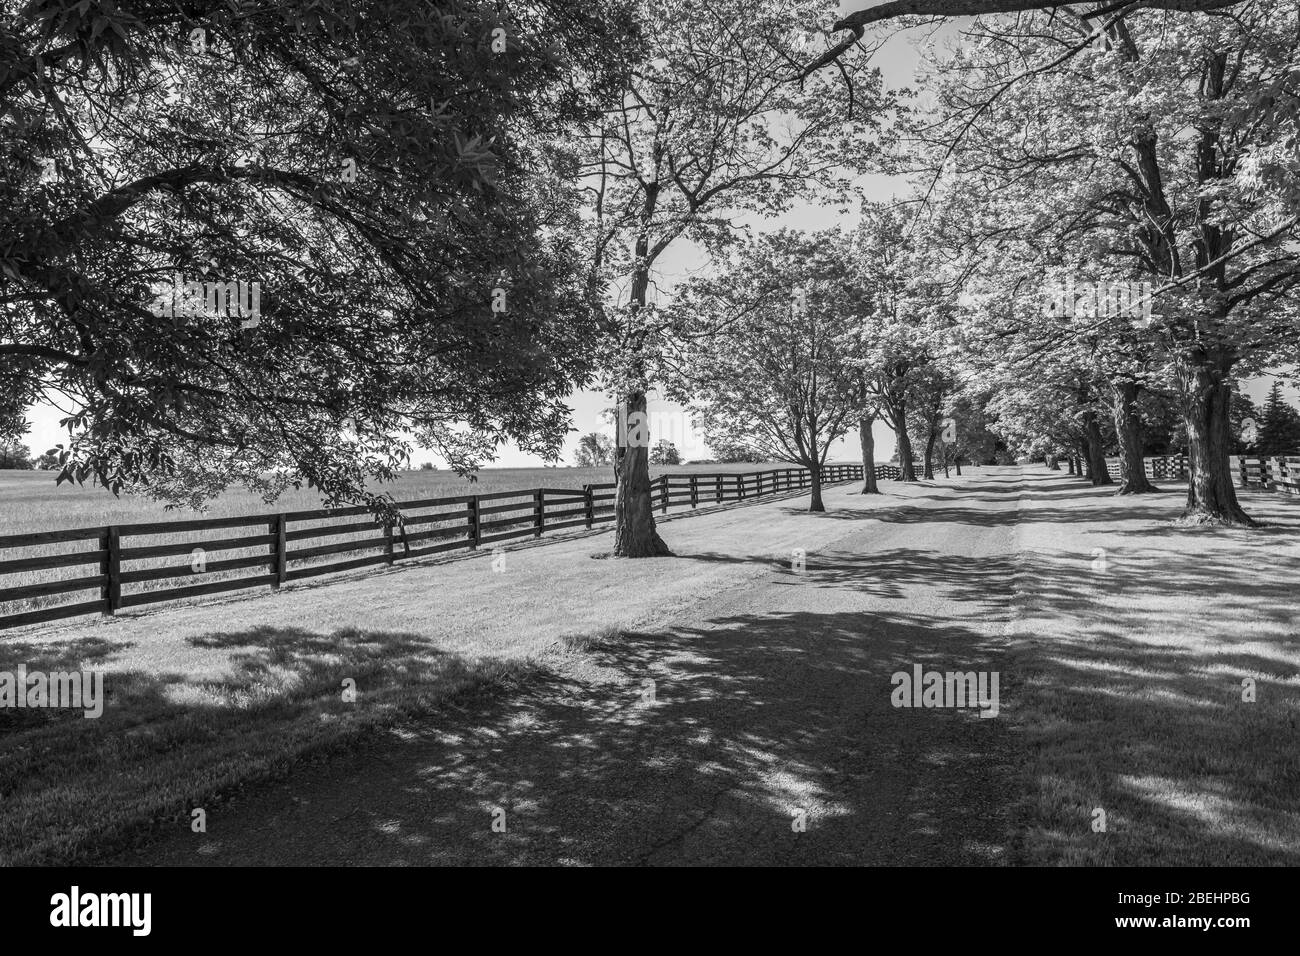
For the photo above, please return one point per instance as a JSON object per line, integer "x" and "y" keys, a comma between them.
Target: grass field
{"x": 31, "y": 502}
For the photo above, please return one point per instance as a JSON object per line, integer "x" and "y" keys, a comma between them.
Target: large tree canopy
{"x": 370, "y": 169}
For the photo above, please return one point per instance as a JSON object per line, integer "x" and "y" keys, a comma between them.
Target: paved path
{"x": 771, "y": 700}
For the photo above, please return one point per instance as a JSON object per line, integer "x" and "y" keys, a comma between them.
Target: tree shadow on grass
{"x": 752, "y": 719}
{"x": 760, "y": 724}
{"x": 73, "y": 789}
{"x": 705, "y": 743}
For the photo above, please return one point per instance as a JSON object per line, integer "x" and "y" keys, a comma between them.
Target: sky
{"x": 898, "y": 60}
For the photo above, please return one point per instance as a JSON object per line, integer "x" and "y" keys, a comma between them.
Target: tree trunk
{"x": 1128, "y": 427}
{"x": 928, "y": 474}
{"x": 1205, "y": 390}
{"x": 958, "y": 464}
{"x": 1069, "y": 459}
{"x": 898, "y": 418}
{"x": 1052, "y": 462}
{"x": 1098, "y": 474}
{"x": 815, "y": 503}
{"x": 868, "y": 440}
{"x": 635, "y": 535}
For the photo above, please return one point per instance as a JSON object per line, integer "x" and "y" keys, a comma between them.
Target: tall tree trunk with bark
{"x": 1128, "y": 428}
{"x": 868, "y": 441}
{"x": 1098, "y": 473}
{"x": 635, "y": 535}
{"x": 1070, "y": 461}
{"x": 928, "y": 473}
{"x": 815, "y": 501}
{"x": 1084, "y": 460}
{"x": 1205, "y": 389}
{"x": 898, "y": 419}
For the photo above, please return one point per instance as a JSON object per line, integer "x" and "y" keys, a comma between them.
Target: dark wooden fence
{"x": 128, "y": 565}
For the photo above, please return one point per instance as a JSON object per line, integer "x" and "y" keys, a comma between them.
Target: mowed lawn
{"x": 1157, "y": 681}
{"x": 30, "y": 502}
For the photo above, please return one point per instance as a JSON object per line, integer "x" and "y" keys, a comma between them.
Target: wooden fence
{"x": 133, "y": 564}
{"x": 1168, "y": 467}
{"x": 1274, "y": 473}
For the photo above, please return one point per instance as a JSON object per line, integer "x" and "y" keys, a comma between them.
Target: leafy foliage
{"x": 374, "y": 167}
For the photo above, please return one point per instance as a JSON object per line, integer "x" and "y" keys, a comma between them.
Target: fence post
{"x": 695, "y": 490}
{"x": 388, "y": 540}
{"x": 717, "y": 488}
{"x": 106, "y": 547}
{"x": 279, "y": 555}
{"x": 589, "y": 504}
{"x": 663, "y": 492}
{"x": 114, "y": 570}
{"x": 539, "y": 512}
{"x": 475, "y": 526}
{"x": 740, "y": 487}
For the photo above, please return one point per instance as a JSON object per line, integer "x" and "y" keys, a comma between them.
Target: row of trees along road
{"x": 455, "y": 215}
{"x": 1156, "y": 156}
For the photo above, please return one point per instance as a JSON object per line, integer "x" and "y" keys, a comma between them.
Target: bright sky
{"x": 897, "y": 59}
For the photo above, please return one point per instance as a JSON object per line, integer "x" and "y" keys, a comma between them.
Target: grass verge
{"x": 73, "y": 789}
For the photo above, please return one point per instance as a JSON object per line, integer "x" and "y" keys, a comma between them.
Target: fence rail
{"x": 1167, "y": 467}
{"x": 121, "y": 567}
{"x": 1274, "y": 473}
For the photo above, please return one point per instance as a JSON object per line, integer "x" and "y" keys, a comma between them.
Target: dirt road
{"x": 751, "y": 724}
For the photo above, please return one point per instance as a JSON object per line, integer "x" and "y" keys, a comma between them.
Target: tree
{"x": 594, "y": 450}
{"x": 367, "y": 190}
{"x": 665, "y": 452}
{"x": 932, "y": 392}
{"x": 777, "y": 378}
{"x": 1279, "y": 428}
{"x": 1145, "y": 160}
{"x": 15, "y": 456}
{"x": 867, "y": 443}
{"x": 975, "y": 440}
{"x": 708, "y": 128}
{"x": 729, "y": 452}
{"x": 906, "y": 307}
